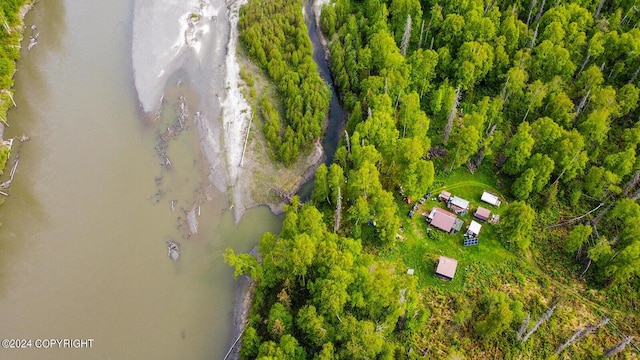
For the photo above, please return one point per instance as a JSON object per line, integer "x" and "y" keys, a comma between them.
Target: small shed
{"x": 482, "y": 214}
{"x": 441, "y": 219}
{"x": 474, "y": 229}
{"x": 446, "y": 267}
{"x": 458, "y": 205}
{"x": 444, "y": 196}
{"x": 489, "y": 198}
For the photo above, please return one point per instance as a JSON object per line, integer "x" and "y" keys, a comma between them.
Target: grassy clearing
{"x": 543, "y": 276}
{"x": 420, "y": 250}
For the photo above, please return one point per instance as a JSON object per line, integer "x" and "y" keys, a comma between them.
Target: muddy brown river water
{"x": 82, "y": 245}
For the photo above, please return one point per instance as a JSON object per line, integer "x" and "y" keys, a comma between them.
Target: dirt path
{"x": 463, "y": 184}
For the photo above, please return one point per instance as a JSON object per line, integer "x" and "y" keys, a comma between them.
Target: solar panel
{"x": 473, "y": 241}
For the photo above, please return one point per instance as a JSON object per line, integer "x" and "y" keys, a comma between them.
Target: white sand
{"x": 167, "y": 38}
{"x": 236, "y": 112}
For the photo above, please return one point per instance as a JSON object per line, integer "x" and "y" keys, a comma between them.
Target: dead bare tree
{"x": 584, "y": 63}
{"x": 585, "y": 270}
{"x": 582, "y": 333}
{"x": 635, "y": 75}
{"x": 426, "y": 35}
{"x": 488, "y": 7}
{"x": 5, "y": 24}
{"x": 7, "y": 184}
{"x": 540, "y": 11}
{"x": 576, "y": 218}
{"x": 544, "y": 318}
{"x": 523, "y": 327}
{"x": 452, "y": 115}
{"x": 595, "y": 15}
{"x": 631, "y": 184}
{"x": 504, "y": 90}
{"x": 612, "y": 351}
{"x": 421, "y": 31}
{"x": 10, "y": 95}
{"x": 473, "y": 163}
{"x": 601, "y": 215}
{"x": 338, "y": 216}
{"x": 566, "y": 167}
{"x": 246, "y": 139}
{"x": 533, "y": 38}
{"x": 580, "y": 107}
{"x": 533, "y": 4}
{"x": 406, "y": 36}
{"x": 346, "y": 137}
{"x": 626, "y": 17}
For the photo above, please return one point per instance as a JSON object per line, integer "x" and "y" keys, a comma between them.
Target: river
{"x": 337, "y": 118}
{"x": 82, "y": 246}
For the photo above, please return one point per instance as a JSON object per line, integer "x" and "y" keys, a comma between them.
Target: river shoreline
{"x": 245, "y": 285}
{"x": 255, "y": 177}
{"x": 22, "y": 13}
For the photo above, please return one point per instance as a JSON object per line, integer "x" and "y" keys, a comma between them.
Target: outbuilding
{"x": 489, "y": 198}
{"x": 446, "y": 268}
{"x": 474, "y": 229}
{"x": 457, "y": 204}
{"x": 444, "y": 196}
{"x": 482, "y": 214}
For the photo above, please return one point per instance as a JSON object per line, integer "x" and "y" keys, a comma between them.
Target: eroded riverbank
{"x": 333, "y": 127}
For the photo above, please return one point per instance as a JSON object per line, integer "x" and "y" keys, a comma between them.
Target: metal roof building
{"x": 446, "y": 267}
{"x": 442, "y": 219}
{"x": 474, "y": 228}
{"x": 490, "y": 198}
{"x": 458, "y": 204}
{"x": 482, "y": 214}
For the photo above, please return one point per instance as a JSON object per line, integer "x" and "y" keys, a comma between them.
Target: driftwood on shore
{"x": 192, "y": 220}
{"x": 172, "y": 132}
{"x": 173, "y": 250}
{"x": 33, "y": 39}
{"x": 245, "y": 290}
{"x": 246, "y": 139}
{"x": 233, "y": 346}
{"x": 7, "y": 184}
{"x": 283, "y": 194}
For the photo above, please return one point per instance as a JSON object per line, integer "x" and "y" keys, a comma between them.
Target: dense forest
{"x": 274, "y": 35}
{"x": 535, "y": 100}
{"x": 10, "y": 36}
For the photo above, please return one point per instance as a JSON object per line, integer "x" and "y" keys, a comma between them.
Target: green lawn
{"x": 462, "y": 183}
{"x": 476, "y": 263}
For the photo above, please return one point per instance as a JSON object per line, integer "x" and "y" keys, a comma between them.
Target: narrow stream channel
{"x": 337, "y": 119}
